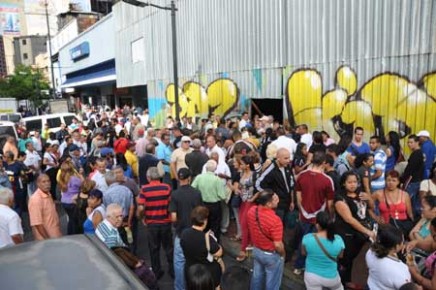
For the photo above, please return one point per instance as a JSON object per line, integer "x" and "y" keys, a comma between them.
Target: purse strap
{"x": 258, "y": 224}
{"x": 323, "y": 249}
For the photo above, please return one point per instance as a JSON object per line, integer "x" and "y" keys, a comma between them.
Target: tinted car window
{"x": 4, "y": 117}
{"x": 33, "y": 125}
{"x": 54, "y": 122}
{"x": 14, "y": 118}
{"x": 7, "y": 130}
{"x": 68, "y": 120}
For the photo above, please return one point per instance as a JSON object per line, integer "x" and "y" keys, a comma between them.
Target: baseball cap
{"x": 95, "y": 193}
{"x": 186, "y": 139}
{"x": 74, "y": 147}
{"x": 184, "y": 173}
{"x": 423, "y": 133}
{"x": 106, "y": 151}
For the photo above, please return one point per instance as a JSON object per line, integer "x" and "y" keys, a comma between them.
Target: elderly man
{"x": 212, "y": 193}
{"x": 153, "y": 202}
{"x": 147, "y": 161}
{"x": 121, "y": 195}
{"x": 178, "y": 156}
{"x": 107, "y": 230}
{"x": 44, "y": 218}
{"x": 136, "y": 126}
{"x": 11, "y": 232}
{"x": 213, "y": 147}
{"x": 196, "y": 159}
{"x": 98, "y": 176}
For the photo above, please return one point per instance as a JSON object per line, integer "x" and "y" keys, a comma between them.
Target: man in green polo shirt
{"x": 212, "y": 192}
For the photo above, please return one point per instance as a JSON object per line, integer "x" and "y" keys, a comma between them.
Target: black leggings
{"x": 354, "y": 243}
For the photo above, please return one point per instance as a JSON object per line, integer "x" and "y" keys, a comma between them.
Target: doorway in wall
{"x": 268, "y": 107}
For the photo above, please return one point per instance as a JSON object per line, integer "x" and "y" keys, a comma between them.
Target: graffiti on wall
{"x": 387, "y": 102}
{"x": 219, "y": 98}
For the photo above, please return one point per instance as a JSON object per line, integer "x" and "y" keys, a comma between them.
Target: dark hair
{"x": 317, "y": 137}
{"x": 198, "y": 277}
{"x": 325, "y": 223}
{"x": 393, "y": 174}
{"x": 345, "y": 176}
{"x": 329, "y": 159}
{"x": 121, "y": 160}
{"x": 235, "y": 277}
{"x": 377, "y": 138}
{"x": 299, "y": 150}
{"x": 388, "y": 237}
{"x": 409, "y": 286}
{"x": 334, "y": 148}
{"x": 318, "y": 158}
{"x": 199, "y": 215}
{"x": 394, "y": 141}
{"x": 265, "y": 197}
{"x": 358, "y": 129}
{"x": 432, "y": 171}
{"x": 430, "y": 200}
{"x": 247, "y": 159}
{"x": 433, "y": 223}
{"x": 325, "y": 133}
{"x": 360, "y": 158}
{"x": 414, "y": 137}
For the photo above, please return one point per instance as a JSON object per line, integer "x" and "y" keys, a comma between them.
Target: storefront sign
{"x": 79, "y": 52}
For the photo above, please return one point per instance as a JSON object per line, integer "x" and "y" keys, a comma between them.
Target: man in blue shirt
{"x": 358, "y": 146}
{"x": 163, "y": 153}
{"x": 429, "y": 151}
{"x": 378, "y": 169}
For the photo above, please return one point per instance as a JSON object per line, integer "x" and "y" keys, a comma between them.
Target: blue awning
{"x": 98, "y": 74}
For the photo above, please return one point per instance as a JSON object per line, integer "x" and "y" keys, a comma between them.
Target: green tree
{"x": 25, "y": 84}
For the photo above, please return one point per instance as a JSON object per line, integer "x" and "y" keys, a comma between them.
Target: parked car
{"x": 71, "y": 262}
{"x": 54, "y": 121}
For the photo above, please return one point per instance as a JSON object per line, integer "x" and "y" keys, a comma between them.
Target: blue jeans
{"x": 179, "y": 265}
{"x": 304, "y": 228}
{"x": 413, "y": 191}
{"x": 267, "y": 270}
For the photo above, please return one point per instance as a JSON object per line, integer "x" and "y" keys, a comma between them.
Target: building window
{"x": 138, "y": 50}
{"x": 23, "y": 42}
{"x": 25, "y": 56}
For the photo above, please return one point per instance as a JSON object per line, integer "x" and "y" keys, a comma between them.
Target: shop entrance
{"x": 268, "y": 107}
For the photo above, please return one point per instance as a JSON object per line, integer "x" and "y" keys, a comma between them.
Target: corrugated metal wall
{"x": 291, "y": 49}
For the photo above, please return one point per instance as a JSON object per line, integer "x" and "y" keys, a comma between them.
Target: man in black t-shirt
{"x": 183, "y": 200}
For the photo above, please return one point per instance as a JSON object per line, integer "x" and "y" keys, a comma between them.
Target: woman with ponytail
{"x": 386, "y": 270}
{"x": 322, "y": 249}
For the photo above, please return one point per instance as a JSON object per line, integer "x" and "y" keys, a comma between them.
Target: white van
{"x": 12, "y": 117}
{"x": 54, "y": 122}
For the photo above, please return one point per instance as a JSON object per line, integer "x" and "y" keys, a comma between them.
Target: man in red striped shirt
{"x": 153, "y": 202}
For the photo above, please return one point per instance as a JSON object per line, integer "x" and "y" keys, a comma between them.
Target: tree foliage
{"x": 25, "y": 84}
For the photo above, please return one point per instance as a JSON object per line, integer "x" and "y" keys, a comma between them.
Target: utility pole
{"x": 50, "y": 51}
{"x": 175, "y": 69}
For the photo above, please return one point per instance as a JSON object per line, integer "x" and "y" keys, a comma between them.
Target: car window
{"x": 7, "y": 130}
{"x": 32, "y": 125}
{"x": 4, "y": 117}
{"x": 68, "y": 120}
{"x": 14, "y": 118}
{"x": 54, "y": 122}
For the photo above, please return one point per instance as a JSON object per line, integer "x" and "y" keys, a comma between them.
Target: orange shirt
{"x": 42, "y": 211}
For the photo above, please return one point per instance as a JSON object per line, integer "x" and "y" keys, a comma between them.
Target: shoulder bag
{"x": 219, "y": 260}
{"x": 405, "y": 226}
{"x": 323, "y": 249}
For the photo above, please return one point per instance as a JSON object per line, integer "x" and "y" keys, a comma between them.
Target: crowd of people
{"x": 187, "y": 180}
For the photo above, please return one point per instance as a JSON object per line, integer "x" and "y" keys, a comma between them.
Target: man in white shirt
{"x": 306, "y": 137}
{"x": 244, "y": 121}
{"x": 285, "y": 142}
{"x": 98, "y": 177}
{"x": 33, "y": 161}
{"x": 11, "y": 232}
{"x": 213, "y": 147}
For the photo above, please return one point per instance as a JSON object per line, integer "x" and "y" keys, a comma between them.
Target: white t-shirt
{"x": 221, "y": 155}
{"x": 386, "y": 273}
{"x": 428, "y": 185}
{"x": 100, "y": 181}
{"x": 10, "y": 225}
{"x": 287, "y": 143}
{"x": 50, "y": 159}
{"x": 306, "y": 139}
{"x": 32, "y": 159}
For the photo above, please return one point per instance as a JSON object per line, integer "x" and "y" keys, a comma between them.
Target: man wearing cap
{"x": 183, "y": 200}
{"x": 43, "y": 216}
{"x": 131, "y": 158}
{"x": 429, "y": 151}
{"x": 178, "y": 156}
{"x": 196, "y": 159}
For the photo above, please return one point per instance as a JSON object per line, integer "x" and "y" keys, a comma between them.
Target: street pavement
{"x": 231, "y": 250}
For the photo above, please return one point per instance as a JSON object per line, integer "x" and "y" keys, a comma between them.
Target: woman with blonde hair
{"x": 69, "y": 182}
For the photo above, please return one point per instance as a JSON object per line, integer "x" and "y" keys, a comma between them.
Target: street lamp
{"x": 173, "y": 10}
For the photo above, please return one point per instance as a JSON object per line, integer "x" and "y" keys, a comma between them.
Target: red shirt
{"x": 120, "y": 145}
{"x": 271, "y": 225}
{"x": 155, "y": 197}
{"x": 316, "y": 189}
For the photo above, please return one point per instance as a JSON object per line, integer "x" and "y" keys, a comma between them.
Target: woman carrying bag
{"x": 322, "y": 250}
{"x": 202, "y": 248}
